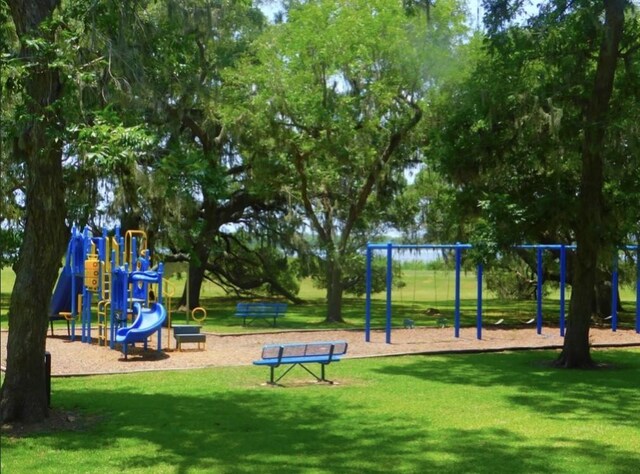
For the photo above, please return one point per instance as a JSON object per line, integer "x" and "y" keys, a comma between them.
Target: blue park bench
{"x": 323, "y": 353}
{"x": 188, "y": 333}
{"x": 262, "y": 310}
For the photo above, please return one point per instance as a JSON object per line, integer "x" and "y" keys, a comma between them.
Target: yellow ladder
{"x": 103, "y": 322}
{"x": 106, "y": 285}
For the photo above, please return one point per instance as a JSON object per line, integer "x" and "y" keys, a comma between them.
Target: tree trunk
{"x": 602, "y": 299}
{"x": 334, "y": 292}
{"x": 193, "y": 286}
{"x": 576, "y": 349}
{"x": 23, "y": 396}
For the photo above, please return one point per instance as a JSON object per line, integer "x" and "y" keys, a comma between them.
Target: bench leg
{"x": 319, "y": 379}
{"x": 274, "y": 381}
{"x": 273, "y": 371}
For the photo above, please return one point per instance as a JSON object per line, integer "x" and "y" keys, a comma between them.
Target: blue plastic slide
{"x": 61, "y": 299}
{"x": 148, "y": 321}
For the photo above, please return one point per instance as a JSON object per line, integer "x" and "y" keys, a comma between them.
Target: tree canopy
{"x": 333, "y": 97}
{"x": 262, "y": 152}
{"x": 537, "y": 138}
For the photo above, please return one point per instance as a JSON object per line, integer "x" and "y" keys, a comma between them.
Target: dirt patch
{"x": 58, "y": 420}
{"x": 77, "y": 358}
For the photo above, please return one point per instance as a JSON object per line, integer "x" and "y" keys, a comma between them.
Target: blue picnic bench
{"x": 260, "y": 310}
{"x": 323, "y": 353}
{"x": 189, "y": 333}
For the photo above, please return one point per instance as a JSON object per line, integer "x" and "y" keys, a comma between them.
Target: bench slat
{"x": 297, "y": 360}
{"x": 190, "y": 337}
{"x": 303, "y": 349}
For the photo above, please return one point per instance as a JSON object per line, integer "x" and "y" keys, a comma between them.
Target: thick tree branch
{"x": 385, "y": 156}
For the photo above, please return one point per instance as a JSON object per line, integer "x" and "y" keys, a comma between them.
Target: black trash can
{"x": 47, "y": 376}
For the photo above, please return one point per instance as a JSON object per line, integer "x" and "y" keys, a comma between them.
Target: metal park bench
{"x": 323, "y": 353}
{"x": 262, "y": 310}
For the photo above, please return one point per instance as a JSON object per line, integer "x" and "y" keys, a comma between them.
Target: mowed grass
{"x": 426, "y": 296}
{"x": 481, "y": 413}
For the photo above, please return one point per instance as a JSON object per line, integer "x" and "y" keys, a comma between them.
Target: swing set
{"x": 389, "y": 248}
{"x": 430, "y": 281}
{"x": 458, "y": 248}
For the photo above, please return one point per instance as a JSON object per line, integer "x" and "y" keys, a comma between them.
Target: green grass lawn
{"x": 482, "y": 413}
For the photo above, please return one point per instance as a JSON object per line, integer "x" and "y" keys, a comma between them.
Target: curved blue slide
{"x": 148, "y": 321}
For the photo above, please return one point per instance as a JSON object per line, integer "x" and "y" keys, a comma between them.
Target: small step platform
{"x": 189, "y": 333}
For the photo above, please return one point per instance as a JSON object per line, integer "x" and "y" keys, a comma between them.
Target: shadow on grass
{"x": 224, "y": 427}
{"x": 609, "y": 393}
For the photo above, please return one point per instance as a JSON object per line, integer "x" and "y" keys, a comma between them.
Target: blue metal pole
{"x": 389, "y": 292}
{"x": 479, "y": 304}
{"x": 563, "y": 280}
{"x": 367, "y": 320}
{"x": 86, "y": 315}
{"x": 614, "y": 293}
{"x": 112, "y": 307}
{"x": 160, "y": 297}
{"x": 457, "y": 310}
{"x": 128, "y": 294}
{"x": 74, "y": 284}
{"x": 539, "y": 295}
{"x": 120, "y": 250}
{"x": 74, "y": 309}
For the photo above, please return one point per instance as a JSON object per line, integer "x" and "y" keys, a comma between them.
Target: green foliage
{"x": 109, "y": 145}
{"x": 12, "y": 176}
{"x": 333, "y": 98}
{"x": 509, "y": 138}
{"x": 512, "y": 279}
{"x": 10, "y": 240}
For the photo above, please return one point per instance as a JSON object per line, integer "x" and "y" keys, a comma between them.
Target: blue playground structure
{"x": 116, "y": 272}
{"x": 458, "y": 249}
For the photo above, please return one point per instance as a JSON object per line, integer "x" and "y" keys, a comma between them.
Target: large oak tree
{"x": 37, "y": 145}
{"x": 532, "y": 145}
{"x": 333, "y": 98}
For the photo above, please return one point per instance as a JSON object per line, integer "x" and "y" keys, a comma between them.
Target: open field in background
{"x": 426, "y": 296}
{"x": 482, "y": 413}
